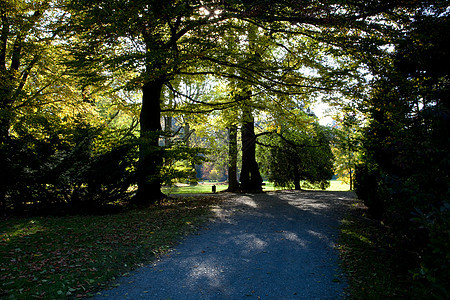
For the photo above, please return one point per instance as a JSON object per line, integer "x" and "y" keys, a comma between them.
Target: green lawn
{"x": 61, "y": 257}
{"x": 202, "y": 188}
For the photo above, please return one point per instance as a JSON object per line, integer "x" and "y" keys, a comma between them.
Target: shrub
{"x": 63, "y": 173}
{"x": 367, "y": 189}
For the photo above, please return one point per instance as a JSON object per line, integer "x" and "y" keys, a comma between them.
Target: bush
{"x": 367, "y": 189}
{"x": 435, "y": 262}
{"x": 62, "y": 173}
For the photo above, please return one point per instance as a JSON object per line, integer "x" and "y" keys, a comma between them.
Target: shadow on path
{"x": 278, "y": 245}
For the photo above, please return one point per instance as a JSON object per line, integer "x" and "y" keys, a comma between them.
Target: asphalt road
{"x": 276, "y": 245}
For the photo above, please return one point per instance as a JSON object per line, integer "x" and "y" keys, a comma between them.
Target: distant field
{"x": 206, "y": 187}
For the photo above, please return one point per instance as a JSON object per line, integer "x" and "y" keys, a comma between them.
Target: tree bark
{"x": 297, "y": 185}
{"x": 351, "y": 179}
{"x": 233, "y": 184}
{"x": 167, "y": 131}
{"x": 251, "y": 180}
{"x": 150, "y": 153}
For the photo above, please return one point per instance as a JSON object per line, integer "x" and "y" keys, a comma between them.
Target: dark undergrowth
{"x": 376, "y": 266}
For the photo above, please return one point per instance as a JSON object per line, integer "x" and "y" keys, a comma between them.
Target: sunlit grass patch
{"x": 202, "y": 188}
{"x": 206, "y": 187}
{"x": 60, "y": 257}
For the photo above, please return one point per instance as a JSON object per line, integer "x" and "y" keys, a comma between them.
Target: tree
{"x": 233, "y": 183}
{"x": 405, "y": 145}
{"x": 179, "y": 38}
{"x": 30, "y": 80}
{"x": 346, "y": 147}
{"x": 297, "y": 153}
{"x": 160, "y": 40}
{"x": 55, "y": 135}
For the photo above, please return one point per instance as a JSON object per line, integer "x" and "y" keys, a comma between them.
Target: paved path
{"x": 278, "y": 245}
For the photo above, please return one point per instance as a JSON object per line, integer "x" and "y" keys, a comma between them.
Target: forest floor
{"x": 275, "y": 245}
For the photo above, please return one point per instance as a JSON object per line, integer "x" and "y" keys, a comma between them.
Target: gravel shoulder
{"x": 275, "y": 245}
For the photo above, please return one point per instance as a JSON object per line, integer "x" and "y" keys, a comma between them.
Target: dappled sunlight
{"x": 253, "y": 243}
{"x": 205, "y": 270}
{"x": 22, "y": 230}
{"x": 234, "y": 205}
{"x": 322, "y": 237}
{"x": 316, "y": 205}
{"x": 248, "y": 201}
{"x": 293, "y": 237}
{"x": 314, "y": 201}
{"x": 250, "y": 242}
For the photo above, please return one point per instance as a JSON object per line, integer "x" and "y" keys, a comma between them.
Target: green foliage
{"x": 63, "y": 169}
{"x": 346, "y": 147}
{"x": 179, "y": 164}
{"x": 295, "y": 155}
{"x": 406, "y": 144}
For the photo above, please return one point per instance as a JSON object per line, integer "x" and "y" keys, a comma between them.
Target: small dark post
{"x": 214, "y": 189}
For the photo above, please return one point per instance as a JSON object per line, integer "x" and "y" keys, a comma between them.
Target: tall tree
{"x": 31, "y": 77}
{"x": 251, "y": 180}
{"x": 404, "y": 176}
{"x": 158, "y": 41}
{"x": 162, "y": 40}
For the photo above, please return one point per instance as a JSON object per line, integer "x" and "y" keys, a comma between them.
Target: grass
{"x": 375, "y": 267}
{"x": 338, "y": 186}
{"x": 61, "y": 257}
{"x": 201, "y": 188}
{"x": 205, "y": 188}
{"x": 76, "y": 256}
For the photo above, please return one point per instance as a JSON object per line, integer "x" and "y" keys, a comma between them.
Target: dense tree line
{"x": 404, "y": 174}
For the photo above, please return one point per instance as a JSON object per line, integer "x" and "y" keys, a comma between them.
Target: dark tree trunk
{"x": 296, "y": 179}
{"x": 233, "y": 184}
{"x": 187, "y": 134}
{"x": 150, "y": 154}
{"x": 6, "y": 104}
{"x": 251, "y": 180}
{"x": 351, "y": 179}
{"x": 167, "y": 131}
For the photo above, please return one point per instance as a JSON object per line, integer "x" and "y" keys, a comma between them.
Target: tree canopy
{"x": 85, "y": 85}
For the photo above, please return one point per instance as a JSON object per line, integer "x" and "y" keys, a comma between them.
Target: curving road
{"x": 277, "y": 245}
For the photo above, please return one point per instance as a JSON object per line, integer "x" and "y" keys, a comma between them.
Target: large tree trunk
{"x": 150, "y": 154}
{"x": 233, "y": 184}
{"x": 297, "y": 185}
{"x": 251, "y": 180}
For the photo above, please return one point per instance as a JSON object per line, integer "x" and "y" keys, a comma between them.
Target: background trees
{"x": 346, "y": 146}
{"x": 298, "y": 153}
